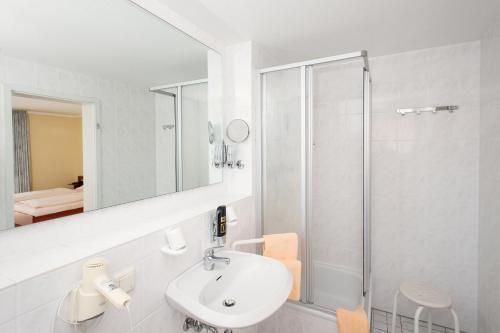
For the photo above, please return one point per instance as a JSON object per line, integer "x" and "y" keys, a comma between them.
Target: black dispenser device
{"x": 219, "y": 226}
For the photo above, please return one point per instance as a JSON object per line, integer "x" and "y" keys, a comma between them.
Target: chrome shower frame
{"x": 306, "y": 163}
{"x": 178, "y": 122}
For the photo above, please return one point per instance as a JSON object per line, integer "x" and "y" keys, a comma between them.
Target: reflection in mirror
{"x": 48, "y": 158}
{"x": 186, "y": 105}
{"x": 103, "y": 104}
{"x": 237, "y": 130}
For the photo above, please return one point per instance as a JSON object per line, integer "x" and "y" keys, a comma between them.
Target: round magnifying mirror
{"x": 237, "y": 130}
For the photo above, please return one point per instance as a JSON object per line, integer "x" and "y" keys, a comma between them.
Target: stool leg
{"x": 417, "y": 319}
{"x": 395, "y": 312}
{"x": 455, "y": 319}
{"x": 429, "y": 322}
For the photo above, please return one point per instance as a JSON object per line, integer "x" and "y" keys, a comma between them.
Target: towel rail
{"x": 433, "y": 109}
{"x": 246, "y": 242}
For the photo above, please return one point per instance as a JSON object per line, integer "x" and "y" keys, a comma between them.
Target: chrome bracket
{"x": 197, "y": 326}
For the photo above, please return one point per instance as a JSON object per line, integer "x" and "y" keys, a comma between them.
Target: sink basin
{"x": 241, "y": 294}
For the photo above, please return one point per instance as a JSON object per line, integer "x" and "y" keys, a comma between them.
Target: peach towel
{"x": 294, "y": 266}
{"x": 352, "y": 321}
{"x": 281, "y": 246}
{"x": 284, "y": 247}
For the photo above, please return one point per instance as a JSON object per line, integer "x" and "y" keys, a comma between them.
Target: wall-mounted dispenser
{"x": 219, "y": 226}
{"x": 96, "y": 289}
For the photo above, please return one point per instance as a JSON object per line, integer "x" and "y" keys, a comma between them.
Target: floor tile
{"x": 380, "y": 316}
{"x": 382, "y": 322}
{"x": 379, "y": 325}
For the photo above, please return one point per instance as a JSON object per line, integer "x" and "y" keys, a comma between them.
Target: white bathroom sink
{"x": 257, "y": 285}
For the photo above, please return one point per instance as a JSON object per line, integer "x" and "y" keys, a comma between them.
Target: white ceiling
{"x": 49, "y": 106}
{"x": 116, "y": 39}
{"x": 112, "y": 39}
{"x": 294, "y": 30}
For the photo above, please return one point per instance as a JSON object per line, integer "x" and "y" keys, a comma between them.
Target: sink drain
{"x": 229, "y": 302}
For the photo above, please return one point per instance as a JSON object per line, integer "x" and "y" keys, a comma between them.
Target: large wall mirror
{"x": 101, "y": 103}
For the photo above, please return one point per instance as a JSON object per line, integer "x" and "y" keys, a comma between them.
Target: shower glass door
{"x": 335, "y": 223}
{"x": 283, "y": 173}
{"x": 195, "y": 145}
{"x": 314, "y": 175}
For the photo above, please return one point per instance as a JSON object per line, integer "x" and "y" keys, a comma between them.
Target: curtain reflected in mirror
{"x": 20, "y": 134}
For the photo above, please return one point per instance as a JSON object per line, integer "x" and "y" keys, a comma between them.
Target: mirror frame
{"x": 247, "y": 130}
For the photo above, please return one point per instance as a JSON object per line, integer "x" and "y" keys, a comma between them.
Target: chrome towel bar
{"x": 433, "y": 109}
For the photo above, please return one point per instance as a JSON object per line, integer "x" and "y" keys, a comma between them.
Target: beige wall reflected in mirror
{"x": 93, "y": 119}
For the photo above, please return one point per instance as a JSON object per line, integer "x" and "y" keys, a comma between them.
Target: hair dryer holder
{"x": 96, "y": 290}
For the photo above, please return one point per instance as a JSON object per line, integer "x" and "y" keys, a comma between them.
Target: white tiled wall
{"x": 425, "y": 176}
{"x": 238, "y": 68}
{"x": 30, "y": 306}
{"x": 489, "y": 211}
{"x": 127, "y": 116}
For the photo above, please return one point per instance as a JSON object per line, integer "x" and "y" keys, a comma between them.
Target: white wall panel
{"x": 425, "y": 176}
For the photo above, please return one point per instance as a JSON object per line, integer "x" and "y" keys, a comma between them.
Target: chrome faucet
{"x": 209, "y": 259}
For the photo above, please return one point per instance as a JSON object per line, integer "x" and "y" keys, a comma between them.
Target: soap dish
{"x": 167, "y": 250}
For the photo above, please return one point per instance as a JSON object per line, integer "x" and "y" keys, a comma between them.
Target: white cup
{"x": 231, "y": 216}
{"x": 175, "y": 239}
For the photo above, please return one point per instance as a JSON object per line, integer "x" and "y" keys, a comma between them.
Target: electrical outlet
{"x": 125, "y": 279}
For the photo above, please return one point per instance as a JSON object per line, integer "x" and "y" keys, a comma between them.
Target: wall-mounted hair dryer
{"x": 95, "y": 291}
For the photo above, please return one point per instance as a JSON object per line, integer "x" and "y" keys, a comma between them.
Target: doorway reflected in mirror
{"x": 48, "y": 159}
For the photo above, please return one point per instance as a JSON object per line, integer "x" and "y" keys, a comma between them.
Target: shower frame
{"x": 177, "y": 96}
{"x": 306, "y": 107}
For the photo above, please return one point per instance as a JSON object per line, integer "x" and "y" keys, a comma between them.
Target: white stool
{"x": 425, "y": 297}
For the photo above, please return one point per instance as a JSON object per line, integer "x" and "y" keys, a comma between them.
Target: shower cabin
{"x": 316, "y": 173}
